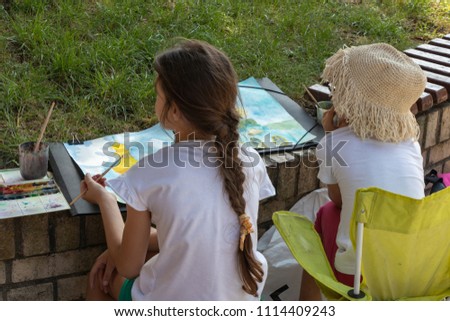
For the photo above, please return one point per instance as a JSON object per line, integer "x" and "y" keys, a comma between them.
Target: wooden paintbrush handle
{"x": 44, "y": 126}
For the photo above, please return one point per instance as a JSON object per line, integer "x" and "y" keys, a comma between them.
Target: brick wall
{"x": 293, "y": 175}
{"x": 47, "y": 256}
{"x": 435, "y": 138}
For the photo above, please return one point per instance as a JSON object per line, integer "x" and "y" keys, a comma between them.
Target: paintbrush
{"x": 44, "y": 126}
{"x": 98, "y": 178}
{"x": 310, "y": 95}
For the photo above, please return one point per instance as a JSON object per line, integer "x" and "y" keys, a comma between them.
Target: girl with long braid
{"x": 202, "y": 193}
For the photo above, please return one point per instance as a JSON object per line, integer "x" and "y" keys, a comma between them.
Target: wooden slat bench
{"x": 428, "y": 56}
{"x": 434, "y": 59}
{"x": 434, "y": 50}
{"x": 441, "y": 42}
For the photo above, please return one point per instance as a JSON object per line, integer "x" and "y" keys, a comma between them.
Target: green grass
{"x": 95, "y": 57}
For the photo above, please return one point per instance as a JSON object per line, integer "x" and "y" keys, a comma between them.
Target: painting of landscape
{"x": 265, "y": 124}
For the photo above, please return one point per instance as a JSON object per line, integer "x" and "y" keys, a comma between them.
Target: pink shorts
{"x": 327, "y": 223}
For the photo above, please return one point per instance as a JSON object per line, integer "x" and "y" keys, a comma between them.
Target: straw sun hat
{"x": 373, "y": 87}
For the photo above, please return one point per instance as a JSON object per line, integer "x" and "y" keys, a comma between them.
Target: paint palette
{"x": 20, "y": 198}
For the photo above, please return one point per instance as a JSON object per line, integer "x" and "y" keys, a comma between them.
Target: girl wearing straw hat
{"x": 374, "y": 143}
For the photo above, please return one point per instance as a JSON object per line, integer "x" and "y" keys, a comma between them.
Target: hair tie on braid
{"x": 246, "y": 228}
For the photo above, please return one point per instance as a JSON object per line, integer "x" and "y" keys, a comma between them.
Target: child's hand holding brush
{"x": 92, "y": 188}
{"x": 86, "y": 184}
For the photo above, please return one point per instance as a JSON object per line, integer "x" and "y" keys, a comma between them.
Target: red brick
{"x": 422, "y": 120}
{"x": 41, "y": 267}
{"x": 39, "y": 292}
{"x": 7, "y": 244}
{"x": 446, "y": 167}
{"x": 439, "y": 152}
{"x": 37, "y": 267}
{"x": 308, "y": 158}
{"x": 425, "y": 158}
{"x": 272, "y": 170}
{"x": 35, "y": 235}
{"x": 67, "y": 232}
{"x": 73, "y": 288}
{"x": 95, "y": 233}
{"x": 2, "y": 273}
{"x": 445, "y": 123}
{"x": 309, "y": 168}
{"x": 287, "y": 174}
{"x": 266, "y": 211}
{"x": 432, "y": 129}
{"x": 77, "y": 261}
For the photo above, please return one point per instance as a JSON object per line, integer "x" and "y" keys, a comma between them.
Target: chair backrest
{"x": 406, "y": 244}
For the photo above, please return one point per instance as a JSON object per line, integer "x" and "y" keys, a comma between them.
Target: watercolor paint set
{"x": 19, "y": 197}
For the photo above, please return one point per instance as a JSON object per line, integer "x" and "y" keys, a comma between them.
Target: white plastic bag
{"x": 285, "y": 274}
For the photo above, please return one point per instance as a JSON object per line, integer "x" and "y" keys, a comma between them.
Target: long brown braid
{"x": 202, "y": 82}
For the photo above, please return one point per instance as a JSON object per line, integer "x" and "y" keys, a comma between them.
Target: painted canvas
{"x": 94, "y": 156}
{"x": 265, "y": 124}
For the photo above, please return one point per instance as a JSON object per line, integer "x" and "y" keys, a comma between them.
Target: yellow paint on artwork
{"x": 242, "y": 112}
{"x": 127, "y": 160}
{"x": 254, "y": 131}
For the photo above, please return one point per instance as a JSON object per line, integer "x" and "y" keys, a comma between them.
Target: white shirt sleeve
{"x": 252, "y": 161}
{"x": 266, "y": 188}
{"x": 125, "y": 191}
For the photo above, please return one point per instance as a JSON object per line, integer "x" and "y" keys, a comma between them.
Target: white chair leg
{"x": 359, "y": 241}
{"x": 356, "y": 292}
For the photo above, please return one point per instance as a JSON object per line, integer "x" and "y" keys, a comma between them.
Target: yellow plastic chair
{"x": 402, "y": 247}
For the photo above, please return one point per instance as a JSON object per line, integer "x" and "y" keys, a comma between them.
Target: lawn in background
{"x": 95, "y": 57}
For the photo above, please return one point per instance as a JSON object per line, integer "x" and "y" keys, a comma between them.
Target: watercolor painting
{"x": 95, "y": 156}
{"x": 265, "y": 124}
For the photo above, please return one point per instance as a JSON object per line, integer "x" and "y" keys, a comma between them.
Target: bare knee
{"x": 95, "y": 293}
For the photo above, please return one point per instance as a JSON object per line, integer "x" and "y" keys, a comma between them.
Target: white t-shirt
{"x": 198, "y": 231}
{"x": 353, "y": 163}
